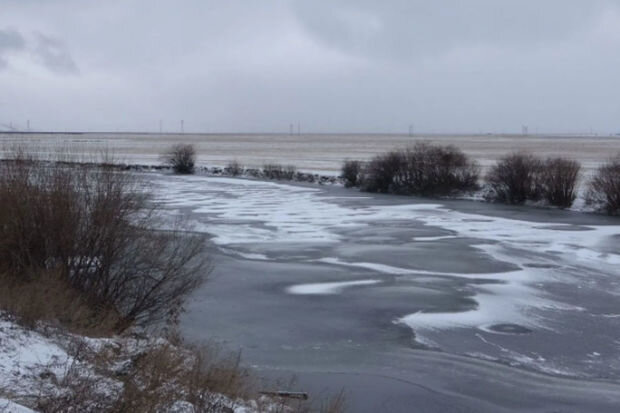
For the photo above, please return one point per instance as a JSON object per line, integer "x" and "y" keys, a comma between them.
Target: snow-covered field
{"x": 321, "y": 153}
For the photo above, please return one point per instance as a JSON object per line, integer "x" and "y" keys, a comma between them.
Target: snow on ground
{"x": 36, "y": 364}
{"x": 24, "y": 356}
{"x": 9, "y": 406}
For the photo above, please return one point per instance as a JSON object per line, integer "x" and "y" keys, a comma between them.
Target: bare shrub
{"x": 351, "y": 173}
{"x": 423, "y": 169}
{"x": 181, "y": 157}
{"x": 279, "y": 172}
{"x": 435, "y": 170}
{"x": 515, "y": 178}
{"x": 558, "y": 181}
{"x": 92, "y": 226}
{"x": 379, "y": 173}
{"x": 234, "y": 168}
{"x": 604, "y": 188}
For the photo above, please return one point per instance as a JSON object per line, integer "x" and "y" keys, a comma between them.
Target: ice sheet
{"x": 250, "y": 212}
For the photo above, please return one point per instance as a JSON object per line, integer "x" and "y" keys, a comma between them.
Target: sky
{"x": 441, "y": 66}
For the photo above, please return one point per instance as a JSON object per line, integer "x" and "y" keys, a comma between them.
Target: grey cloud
{"x": 346, "y": 65}
{"x": 47, "y": 50}
{"x": 410, "y": 29}
{"x": 52, "y": 53}
{"x": 10, "y": 41}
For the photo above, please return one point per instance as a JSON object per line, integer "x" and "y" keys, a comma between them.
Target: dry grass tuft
{"x": 279, "y": 172}
{"x": 51, "y": 299}
{"x": 234, "y": 168}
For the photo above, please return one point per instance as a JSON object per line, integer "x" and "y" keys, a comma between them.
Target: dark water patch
{"x": 509, "y": 329}
{"x": 540, "y": 265}
{"x": 567, "y": 227}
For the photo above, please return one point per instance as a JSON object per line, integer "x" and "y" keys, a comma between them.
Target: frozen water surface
{"x": 323, "y": 282}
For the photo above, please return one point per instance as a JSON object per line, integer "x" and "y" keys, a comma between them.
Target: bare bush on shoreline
{"x": 558, "y": 180}
{"x": 351, "y": 173}
{"x": 181, "y": 158}
{"x": 436, "y": 170}
{"x": 234, "y": 168}
{"x": 521, "y": 176}
{"x": 423, "y": 169}
{"x": 279, "y": 172}
{"x": 604, "y": 188}
{"x": 514, "y": 179}
{"x": 92, "y": 227}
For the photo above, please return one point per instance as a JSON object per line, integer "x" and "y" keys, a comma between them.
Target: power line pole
{"x": 182, "y": 126}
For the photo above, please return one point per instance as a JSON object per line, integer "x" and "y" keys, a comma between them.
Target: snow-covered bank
{"x": 48, "y": 368}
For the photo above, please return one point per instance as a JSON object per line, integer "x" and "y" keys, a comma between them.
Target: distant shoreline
{"x": 317, "y": 153}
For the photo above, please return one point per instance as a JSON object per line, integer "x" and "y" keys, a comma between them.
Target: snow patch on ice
{"x": 387, "y": 269}
{"x": 240, "y": 211}
{"x": 431, "y": 239}
{"x": 327, "y": 288}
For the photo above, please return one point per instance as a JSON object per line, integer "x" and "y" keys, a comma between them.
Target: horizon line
{"x": 416, "y": 134}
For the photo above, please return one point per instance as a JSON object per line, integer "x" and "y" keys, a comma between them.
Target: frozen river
{"x": 322, "y": 153}
{"x": 408, "y": 304}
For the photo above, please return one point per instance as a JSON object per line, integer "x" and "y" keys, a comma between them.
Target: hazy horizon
{"x": 416, "y": 134}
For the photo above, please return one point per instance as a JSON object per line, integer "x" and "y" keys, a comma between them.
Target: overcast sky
{"x": 348, "y": 65}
